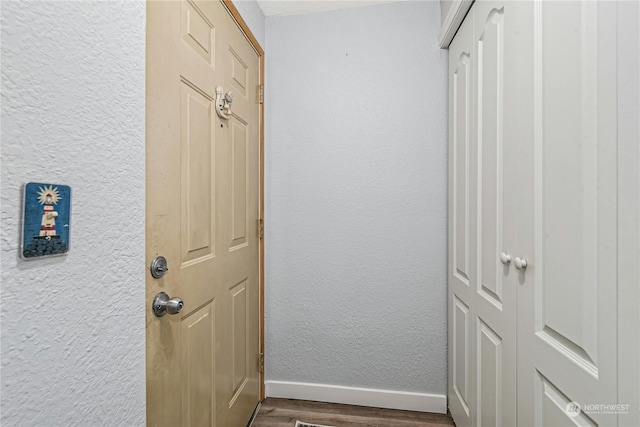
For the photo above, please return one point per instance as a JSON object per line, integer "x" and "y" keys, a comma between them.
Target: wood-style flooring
{"x": 285, "y": 412}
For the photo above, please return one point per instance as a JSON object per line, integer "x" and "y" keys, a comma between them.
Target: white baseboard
{"x": 404, "y": 400}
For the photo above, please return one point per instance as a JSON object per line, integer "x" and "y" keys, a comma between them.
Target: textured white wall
{"x": 73, "y": 327}
{"x": 356, "y": 198}
{"x": 253, "y": 16}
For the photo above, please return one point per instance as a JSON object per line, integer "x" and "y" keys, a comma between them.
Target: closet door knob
{"x": 505, "y": 259}
{"x": 521, "y": 263}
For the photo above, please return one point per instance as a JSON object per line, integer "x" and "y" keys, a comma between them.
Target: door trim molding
{"x": 404, "y": 400}
{"x": 452, "y": 21}
{"x": 256, "y": 46}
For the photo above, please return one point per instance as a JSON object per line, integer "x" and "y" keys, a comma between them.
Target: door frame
{"x": 256, "y": 46}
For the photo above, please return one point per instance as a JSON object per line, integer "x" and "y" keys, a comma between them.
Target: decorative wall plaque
{"x": 47, "y": 220}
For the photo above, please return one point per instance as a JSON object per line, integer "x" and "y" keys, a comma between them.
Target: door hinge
{"x": 260, "y": 94}
{"x": 261, "y": 363}
{"x": 260, "y": 228}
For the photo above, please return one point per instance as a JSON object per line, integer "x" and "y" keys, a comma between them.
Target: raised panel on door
{"x": 461, "y": 86}
{"x": 567, "y": 231}
{"x": 496, "y": 286}
{"x": 197, "y": 178}
{"x": 489, "y": 132}
{"x": 554, "y": 408}
{"x": 198, "y": 379}
{"x": 460, "y": 353}
{"x": 197, "y": 31}
{"x": 460, "y": 225}
{"x": 240, "y": 337}
{"x": 239, "y": 193}
{"x": 239, "y": 73}
{"x": 490, "y": 371}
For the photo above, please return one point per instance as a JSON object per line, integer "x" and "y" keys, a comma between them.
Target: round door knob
{"x": 162, "y": 305}
{"x": 521, "y": 263}
{"x": 505, "y": 258}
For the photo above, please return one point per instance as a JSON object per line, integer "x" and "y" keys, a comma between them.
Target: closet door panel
{"x": 461, "y": 214}
{"x": 490, "y": 374}
{"x": 461, "y": 82}
{"x": 490, "y": 123}
{"x": 567, "y": 181}
{"x": 567, "y": 225}
{"x": 495, "y": 289}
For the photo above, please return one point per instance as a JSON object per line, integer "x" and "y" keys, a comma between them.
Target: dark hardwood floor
{"x": 285, "y": 412}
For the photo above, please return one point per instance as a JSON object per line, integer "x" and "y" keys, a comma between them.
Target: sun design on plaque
{"x": 48, "y": 195}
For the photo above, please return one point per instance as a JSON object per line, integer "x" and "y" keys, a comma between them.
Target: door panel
{"x": 202, "y": 197}
{"x": 569, "y": 296}
{"x": 240, "y": 336}
{"x": 490, "y": 370}
{"x": 484, "y": 207}
{"x": 461, "y": 81}
{"x": 198, "y": 333}
{"x": 239, "y": 73}
{"x": 197, "y": 174}
{"x": 553, "y": 404}
{"x": 460, "y": 225}
{"x": 567, "y": 221}
{"x": 197, "y": 31}
{"x": 490, "y": 64}
{"x": 239, "y": 192}
{"x": 461, "y": 356}
{"x": 496, "y": 288}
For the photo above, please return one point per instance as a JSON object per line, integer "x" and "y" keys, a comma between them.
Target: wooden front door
{"x": 202, "y": 207}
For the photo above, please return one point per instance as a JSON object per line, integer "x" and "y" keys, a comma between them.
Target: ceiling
{"x": 297, "y": 7}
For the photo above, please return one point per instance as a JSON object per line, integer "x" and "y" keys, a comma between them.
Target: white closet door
{"x": 482, "y": 227}
{"x": 567, "y": 221}
{"x": 461, "y": 221}
{"x": 494, "y": 303}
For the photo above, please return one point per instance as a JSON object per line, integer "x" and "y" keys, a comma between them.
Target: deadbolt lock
{"x": 159, "y": 267}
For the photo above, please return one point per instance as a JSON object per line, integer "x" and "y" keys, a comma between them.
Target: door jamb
{"x": 256, "y": 46}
